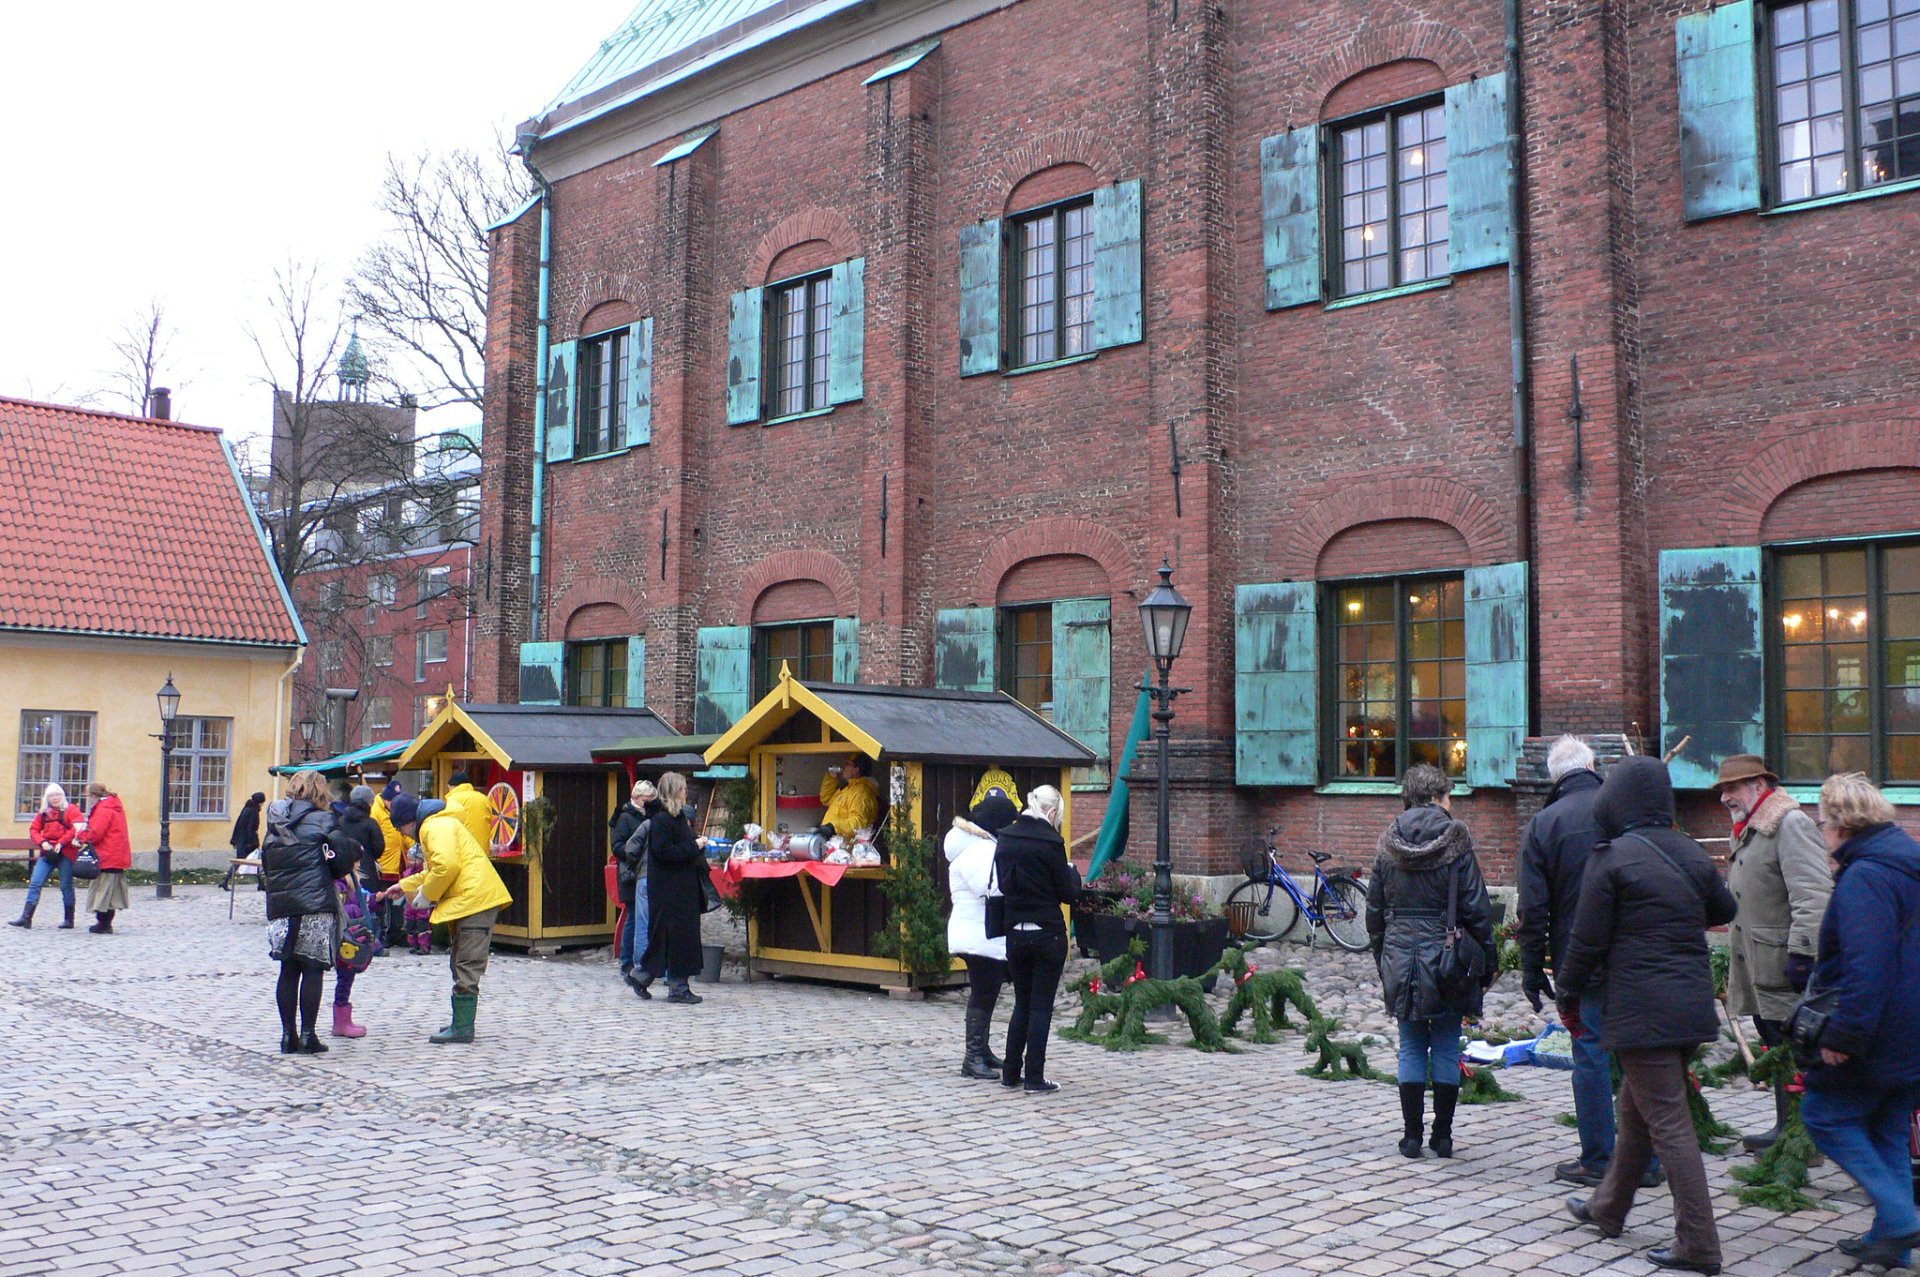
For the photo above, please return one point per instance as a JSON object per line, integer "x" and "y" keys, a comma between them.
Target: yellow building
{"x": 129, "y": 554}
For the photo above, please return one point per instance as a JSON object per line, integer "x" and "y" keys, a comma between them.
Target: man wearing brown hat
{"x": 1778, "y": 873}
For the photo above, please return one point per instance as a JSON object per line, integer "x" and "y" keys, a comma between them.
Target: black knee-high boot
{"x": 975, "y": 1065}
{"x": 1445, "y": 1098}
{"x": 1413, "y": 1117}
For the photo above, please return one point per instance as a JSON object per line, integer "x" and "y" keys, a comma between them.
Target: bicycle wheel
{"x": 1274, "y": 912}
{"x": 1343, "y": 910}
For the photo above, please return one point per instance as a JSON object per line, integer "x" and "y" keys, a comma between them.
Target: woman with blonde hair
{"x": 52, "y": 836}
{"x": 107, "y": 835}
{"x": 1863, "y": 1082}
{"x": 1036, "y": 878}
{"x": 303, "y": 855}
{"x": 675, "y": 898}
{"x": 631, "y": 874}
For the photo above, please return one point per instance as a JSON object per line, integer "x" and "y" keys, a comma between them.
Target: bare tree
{"x": 423, "y": 286}
{"x": 140, "y": 351}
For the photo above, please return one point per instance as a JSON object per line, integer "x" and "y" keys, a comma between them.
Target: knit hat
{"x": 994, "y": 812}
{"x": 403, "y": 809}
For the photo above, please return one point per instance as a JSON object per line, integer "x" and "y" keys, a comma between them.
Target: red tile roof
{"x": 129, "y": 526}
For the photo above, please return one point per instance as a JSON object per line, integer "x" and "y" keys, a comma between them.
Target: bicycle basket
{"x": 1258, "y": 866}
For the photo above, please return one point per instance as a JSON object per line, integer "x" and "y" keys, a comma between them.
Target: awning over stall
{"x": 534, "y": 737}
{"x": 354, "y": 759}
{"x": 668, "y": 752}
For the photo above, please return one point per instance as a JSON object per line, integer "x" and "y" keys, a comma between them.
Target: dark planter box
{"x": 1196, "y": 945}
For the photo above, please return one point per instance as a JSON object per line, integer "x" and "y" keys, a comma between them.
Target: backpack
{"x": 357, "y": 940}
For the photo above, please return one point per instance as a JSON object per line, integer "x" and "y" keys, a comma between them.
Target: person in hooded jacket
{"x": 1425, "y": 861}
{"x": 458, "y": 879}
{"x": 52, "y": 836}
{"x": 474, "y": 809}
{"x": 392, "y": 859}
{"x": 675, "y": 898}
{"x": 970, "y": 846}
{"x": 1037, "y": 879}
{"x": 303, "y": 854}
{"x": 358, "y": 824}
{"x": 630, "y": 855}
{"x": 245, "y": 838}
{"x": 1646, "y": 900}
{"x": 107, "y": 835}
{"x": 1865, "y": 1081}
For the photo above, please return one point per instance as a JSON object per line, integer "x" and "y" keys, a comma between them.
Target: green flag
{"x": 1112, "y": 843}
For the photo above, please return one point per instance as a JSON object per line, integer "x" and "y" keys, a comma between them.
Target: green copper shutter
{"x": 1479, "y": 172}
{"x": 1718, "y": 74}
{"x": 543, "y": 672}
{"x": 1496, "y": 671}
{"x": 744, "y": 318}
{"x": 1276, "y": 684}
{"x": 560, "y": 370}
{"x": 1116, "y": 265}
{"x": 1290, "y": 216}
{"x": 963, "y": 649}
{"x": 1712, "y": 672}
{"x": 980, "y": 298}
{"x": 846, "y": 649}
{"x": 722, "y": 678}
{"x": 847, "y": 349}
{"x": 640, "y": 383}
{"x": 636, "y": 672}
{"x": 1083, "y": 682}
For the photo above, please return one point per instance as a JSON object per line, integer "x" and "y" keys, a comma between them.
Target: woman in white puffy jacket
{"x": 970, "y": 849}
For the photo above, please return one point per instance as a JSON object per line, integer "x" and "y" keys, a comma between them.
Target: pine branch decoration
{"x": 1264, "y": 994}
{"x": 1776, "y": 1179}
{"x": 1339, "y": 1061}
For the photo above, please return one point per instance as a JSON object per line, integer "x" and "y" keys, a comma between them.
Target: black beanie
{"x": 994, "y": 812}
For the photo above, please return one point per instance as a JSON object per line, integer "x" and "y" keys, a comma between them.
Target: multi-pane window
{"x": 1399, "y": 676}
{"x": 806, "y": 647}
{"x": 435, "y": 583}
{"x": 1848, "y": 661}
{"x": 429, "y": 648}
{"x": 56, "y": 748}
{"x": 333, "y": 592}
{"x": 379, "y": 650}
{"x": 1053, "y": 250}
{"x": 1391, "y": 171}
{"x": 381, "y": 591}
{"x": 601, "y": 423}
{"x": 597, "y": 673}
{"x": 422, "y": 713}
{"x": 379, "y": 720}
{"x": 1846, "y": 95}
{"x": 1026, "y": 655}
{"x": 802, "y": 313}
{"x": 458, "y": 515}
{"x": 332, "y": 654}
{"x": 197, "y": 781}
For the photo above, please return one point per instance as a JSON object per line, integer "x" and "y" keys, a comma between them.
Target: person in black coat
{"x": 1036, "y": 878}
{"x": 675, "y": 898}
{"x": 1425, "y": 867}
{"x": 245, "y": 839}
{"x": 1553, "y": 858}
{"x": 1648, "y": 895}
{"x": 630, "y": 857}
{"x": 358, "y": 824}
{"x": 302, "y": 856}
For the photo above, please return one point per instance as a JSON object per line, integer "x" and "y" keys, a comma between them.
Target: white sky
{"x": 183, "y": 149}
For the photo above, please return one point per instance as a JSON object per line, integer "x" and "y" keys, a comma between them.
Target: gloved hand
{"x": 1569, "y": 1009}
{"x": 1799, "y": 970}
{"x": 1534, "y": 984}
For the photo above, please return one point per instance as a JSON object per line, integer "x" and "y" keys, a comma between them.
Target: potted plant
{"x": 1106, "y": 921}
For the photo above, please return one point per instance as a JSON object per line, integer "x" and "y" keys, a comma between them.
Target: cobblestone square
{"x": 781, "y": 1128}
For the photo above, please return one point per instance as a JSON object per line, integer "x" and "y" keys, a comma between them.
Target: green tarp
{"x": 1112, "y": 843}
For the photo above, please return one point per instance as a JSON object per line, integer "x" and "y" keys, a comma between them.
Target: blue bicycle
{"x": 1270, "y": 903}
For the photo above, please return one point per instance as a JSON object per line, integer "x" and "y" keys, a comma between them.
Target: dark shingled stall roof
{"x": 545, "y": 736}
{"x": 943, "y": 726}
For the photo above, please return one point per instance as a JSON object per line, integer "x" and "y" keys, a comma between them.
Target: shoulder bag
{"x": 86, "y": 866}
{"x": 1462, "y": 960}
{"x": 1807, "y": 1022}
{"x": 996, "y": 902}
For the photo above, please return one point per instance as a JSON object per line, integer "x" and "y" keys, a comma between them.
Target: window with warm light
{"x": 596, "y": 673}
{"x": 1390, "y": 205}
{"x": 1847, "y": 662}
{"x": 806, "y": 648}
{"x": 1026, "y": 655}
{"x": 1846, "y": 95}
{"x": 1399, "y": 677}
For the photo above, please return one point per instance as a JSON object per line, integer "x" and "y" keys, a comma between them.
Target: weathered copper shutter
{"x": 846, "y": 649}
{"x": 1083, "y": 681}
{"x": 744, "y": 322}
{"x": 640, "y": 383}
{"x": 723, "y": 677}
{"x": 980, "y": 300}
{"x": 1290, "y": 216}
{"x": 543, "y": 672}
{"x": 561, "y": 363}
{"x": 1479, "y": 231}
{"x": 963, "y": 649}
{"x": 1712, "y": 670}
{"x": 1116, "y": 265}
{"x": 1497, "y": 668}
{"x": 636, "y": 672}
{"x": 1276, "y": 684}
{"x": 847, "y": 345}
{"x": 1718, "y": 72}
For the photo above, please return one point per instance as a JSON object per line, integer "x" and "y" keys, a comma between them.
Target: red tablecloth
{"x": 727, "y": 878}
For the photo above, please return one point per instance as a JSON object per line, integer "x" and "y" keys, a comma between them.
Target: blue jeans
{"x": 1593, "y": 1087}
{"x": 1865, "y": 1133}
{"x": 43, "y": 869}
{"x": 636, "y": 928}
{"x": 1435, "y": 1043}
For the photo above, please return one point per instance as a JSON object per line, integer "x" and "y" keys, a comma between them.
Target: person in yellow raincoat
{"x": 467, "y": 896}
{"x": 392, "y": 857}
{"x": 851, "y": 797}
{"x": 472, "y": 807}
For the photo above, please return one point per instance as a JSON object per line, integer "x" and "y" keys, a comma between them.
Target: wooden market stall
{"x": 515, "y": 754}
{"x": 929, "y": 750}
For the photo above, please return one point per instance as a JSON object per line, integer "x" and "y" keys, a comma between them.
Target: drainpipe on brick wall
{"x": 525, "y": 144}
{"x": 1517, "y": 334}
{"x": 280, "y": 706}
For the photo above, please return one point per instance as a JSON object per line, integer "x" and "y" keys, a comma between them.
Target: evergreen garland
{"x": 1776, "y": 1179}
{"x": 1480, "y": 1086}
{"x": 915, "y": 931}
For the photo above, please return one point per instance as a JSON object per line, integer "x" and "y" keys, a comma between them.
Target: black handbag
{"x": 86, "y": 866}
{"x": 1462, "y": 960}
{"x": 710, "y": 894}
{"x": 996, "y": 903}
{"x": 1807, "y": 1022}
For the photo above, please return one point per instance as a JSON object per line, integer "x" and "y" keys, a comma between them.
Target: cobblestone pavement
{"x": 778, "y": 1128}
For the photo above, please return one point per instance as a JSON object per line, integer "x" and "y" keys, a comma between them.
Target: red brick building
{"x": 904, "y": 340}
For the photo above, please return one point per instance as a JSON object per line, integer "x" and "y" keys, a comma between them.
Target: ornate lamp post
{"x": 1164, "y": 613}
{"x": 169, "y": 698}
{"x": 307, "y": 729}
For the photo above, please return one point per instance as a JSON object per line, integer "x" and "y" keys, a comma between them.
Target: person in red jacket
{"x": 107, "y": 831}
{"x": 52, "y": 838}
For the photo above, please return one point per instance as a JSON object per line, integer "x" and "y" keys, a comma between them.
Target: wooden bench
{"x": 20, "y": 849}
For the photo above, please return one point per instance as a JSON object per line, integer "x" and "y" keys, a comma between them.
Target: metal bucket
{"x": 1239, "y": 917}
{"x": 711, "y": 958}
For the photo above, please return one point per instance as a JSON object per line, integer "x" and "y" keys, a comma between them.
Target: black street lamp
{"x": 169, "y": 698}
{"x": 307, "y": 729}
{"x": 1164, "y": 614}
